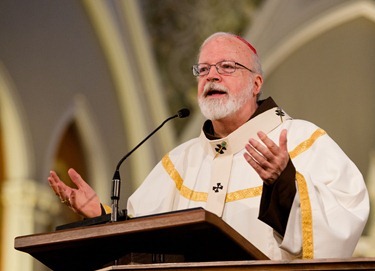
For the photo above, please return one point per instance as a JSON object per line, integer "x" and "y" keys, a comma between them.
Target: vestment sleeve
{"x": 331, "y": 206}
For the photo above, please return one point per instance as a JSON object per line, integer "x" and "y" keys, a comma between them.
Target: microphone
{"x": 116, "y": 180}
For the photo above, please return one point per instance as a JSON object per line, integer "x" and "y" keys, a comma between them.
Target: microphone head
{"x": 183, "y": 113}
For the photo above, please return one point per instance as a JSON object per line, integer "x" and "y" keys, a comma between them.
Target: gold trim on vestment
{"x": 305, "y": 145}
{"x": 193, "y": 195}
{"x": 306, "y": 214}
{"x": 107, "y": 209}
{"x": 172, "y": 171}
{"x": 202, "y": 196}
{"x": 244, "y": 193}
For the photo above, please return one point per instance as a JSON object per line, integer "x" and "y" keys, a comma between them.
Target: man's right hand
{"x": 83, "y": 200}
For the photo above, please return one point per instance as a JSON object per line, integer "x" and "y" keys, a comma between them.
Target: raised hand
{"x": 268, "y": 160}
{"x": 82, "y": 200}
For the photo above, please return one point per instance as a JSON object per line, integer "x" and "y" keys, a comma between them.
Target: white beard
{"x": 218, "y": 108}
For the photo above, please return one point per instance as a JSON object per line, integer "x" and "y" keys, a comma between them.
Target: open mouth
{"x": 215, "y": 92}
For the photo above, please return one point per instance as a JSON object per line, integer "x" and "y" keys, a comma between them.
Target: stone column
{"x": 27, "y": 205}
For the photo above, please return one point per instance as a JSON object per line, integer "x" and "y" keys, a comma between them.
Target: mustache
{"x": 213, "y": 87}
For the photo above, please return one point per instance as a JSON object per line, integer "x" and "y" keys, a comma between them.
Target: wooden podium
{"x": 194, "y": 235}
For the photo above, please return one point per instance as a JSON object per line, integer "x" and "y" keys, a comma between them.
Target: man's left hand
{"x": 268, "y": 160}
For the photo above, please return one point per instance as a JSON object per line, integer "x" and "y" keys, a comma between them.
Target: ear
{"x": 258, "y": 82}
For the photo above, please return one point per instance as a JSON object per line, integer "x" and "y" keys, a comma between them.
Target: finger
{"x": 263, "y": 173}
{"x": 267, "y": 160}
{"x": 268, "y": 142}
{"x": 283, "y": 140}
{"x": 260, "y": 149}
{"x": 255, "y": 151}
{"x": 261, "y": 165}
{"x": 55, "y": 180}
{"x": 52, "y": 184}
{"x": 76, "y": 178}
{"x": 55, "y": 183}
{"x": 252, "y": 162}
{"x": 64, "y": 192}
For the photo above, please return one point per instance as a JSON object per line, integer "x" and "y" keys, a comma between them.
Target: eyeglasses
{"x": 222, "y": 67}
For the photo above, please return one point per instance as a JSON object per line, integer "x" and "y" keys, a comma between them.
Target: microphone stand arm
{"x": 116, "y": 180}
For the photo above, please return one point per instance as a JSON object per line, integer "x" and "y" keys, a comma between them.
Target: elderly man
{"x": 283, "y": 184}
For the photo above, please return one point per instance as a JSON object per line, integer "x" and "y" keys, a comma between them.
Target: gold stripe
{"x": 172, "y": 172}
{"x": 305, "y": 145}
{"x": 202, "y": 196}
{"x": 176, "y": 177}
{"x": 193, "y": 195}
{"x": 243, "y": 194}
{"x": 306, "y": 214}
{"x": 107, "y": 209}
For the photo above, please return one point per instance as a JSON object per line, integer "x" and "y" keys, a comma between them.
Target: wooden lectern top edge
{"x": 144, "y": 223}
{"x": 185, "y": 218}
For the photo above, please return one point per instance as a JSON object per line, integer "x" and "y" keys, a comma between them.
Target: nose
{"x": 213, "y": 75}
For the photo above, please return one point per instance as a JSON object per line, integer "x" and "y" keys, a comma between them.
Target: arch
{"x": 24, "y": 198}
{"x": 323, "y": 23}
{"x": 139, "y": 96}
{"x": 93, "y": 145}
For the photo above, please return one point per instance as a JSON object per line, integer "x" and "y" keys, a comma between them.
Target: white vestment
{"x": 329, "y": 210}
